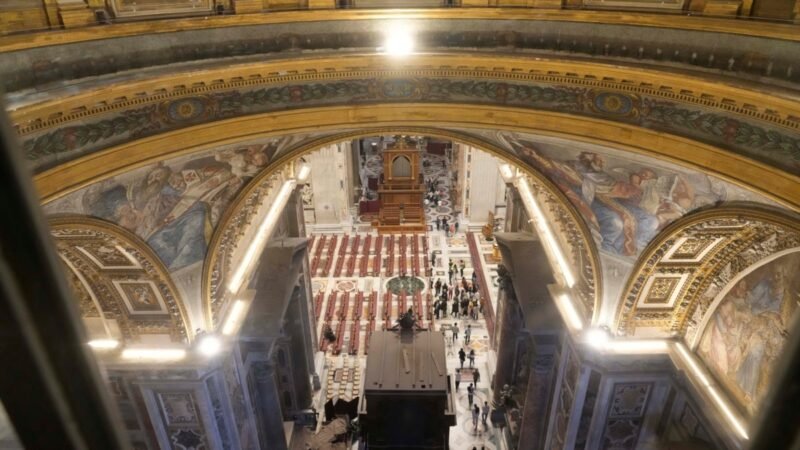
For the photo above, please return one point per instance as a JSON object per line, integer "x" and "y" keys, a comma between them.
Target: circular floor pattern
{"x": 411, "y": 285}
{"x": 346, "y": 285}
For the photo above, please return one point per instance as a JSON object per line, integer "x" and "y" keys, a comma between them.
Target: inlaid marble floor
{"x": 342, "y": 374}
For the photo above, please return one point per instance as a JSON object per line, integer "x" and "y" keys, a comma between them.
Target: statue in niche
{"x": 488, "y": 228}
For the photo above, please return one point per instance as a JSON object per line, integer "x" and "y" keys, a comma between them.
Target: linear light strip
{"x": 104, "y": 344}
{"x": 573, "y": 318}
{"x": 716, "y": 396}
{"x": 540, "y": 222}
{"x": 637, "y": 346}
{"x": 154, "y": 354}
{"x": 234, "y": 318}
{"x": 264, "y": 231}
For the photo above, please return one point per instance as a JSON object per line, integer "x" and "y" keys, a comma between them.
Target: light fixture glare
{"x": 151, "y": 354}
{"x": 303, "y": 173}
{"x": 209, "y": 345}
{"x": 705, "y": 383}
{"x": 399, "y": 40}
{"x": 262, "y": 234}
{"x": 234, "y": 318}
{"x": 597, "y": 338}
{"x": 569, "y": 312}
{"x": 541, "y": 225}
{"x": 104, "y": 344}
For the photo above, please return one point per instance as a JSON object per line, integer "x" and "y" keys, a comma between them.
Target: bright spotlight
{"x": 399, "y": 40}
{"x": 597, "y": 338}
{"x": 209, "y": 345}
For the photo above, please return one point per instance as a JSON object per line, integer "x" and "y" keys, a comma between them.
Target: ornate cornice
{"x": 772, "y": 182}
{"x": 161, "y": 90}
{"x": 755, "y": 124}
{"x": 668, "y": 288}
{"x": 121, "y": 276}
{"x": 712, "y": 24}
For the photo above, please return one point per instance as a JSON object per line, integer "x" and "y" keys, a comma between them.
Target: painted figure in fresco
{"x": 175, "y": 207}
{"x": 747, "y": 331}
{"x": 625, "y": 206}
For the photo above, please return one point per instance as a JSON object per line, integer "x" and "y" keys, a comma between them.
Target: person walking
{"x": 471, "y": 358}
{"x": 433, "y": 259}
{"x": 455, "y": 332}
{"x": 467, "y": 334}
{"x": 462, "y": 265}
{"x": 476, "y": 375}
{"x": 438, "y": 286}
{"x": 485, "y": 413}
{"x": 475, "y": 412}
{"x": 470, "y": 394}
{"x": 462, "y": 356}
{"x": 455, "y": 311}
{"x": 458, "y": 378}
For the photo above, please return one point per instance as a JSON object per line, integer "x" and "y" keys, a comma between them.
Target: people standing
{"x": 458, "y": 378}
{"x": 462, "y": 356}
{"x": 471, "y": 358}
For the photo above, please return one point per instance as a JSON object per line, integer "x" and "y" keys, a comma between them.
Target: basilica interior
{"x": 355, "y": 224}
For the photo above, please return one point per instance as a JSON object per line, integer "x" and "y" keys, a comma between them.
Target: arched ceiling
{"x": 624, "y": 129}
{"x": 124, "y": 291}
{"x": 689, "y": 120}
{"x": 683, "y": 270}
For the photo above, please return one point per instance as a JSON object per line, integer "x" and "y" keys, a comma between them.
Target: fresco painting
{"x": 624, "y": 201}
{"x": 747, "y": 331}
{"x": 173, "y": 205}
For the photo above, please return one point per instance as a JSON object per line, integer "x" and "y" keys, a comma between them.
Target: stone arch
{"x": 231, "y": 227}
{"x": 680, "y": 273}
{"x": 121, "y": 284}
{"x": 772, "y": 182}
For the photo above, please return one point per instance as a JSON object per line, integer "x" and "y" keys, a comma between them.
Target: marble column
{"x": 299, "y": 334}
{"x": 266, "y": 398}
{"x": 508, "y": 323}
{"x": 542, "y": 370}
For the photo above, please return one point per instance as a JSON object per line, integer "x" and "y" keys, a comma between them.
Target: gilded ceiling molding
{"x": 719, "y": 25}
{"x": 674, "y": 281}
{"x": 239, "y": 214}
{"x": 116, "y": 97}
{"x": 759, "y": 126}
{"x": 769, "y": 181}
{"x": 116, "y": 276}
